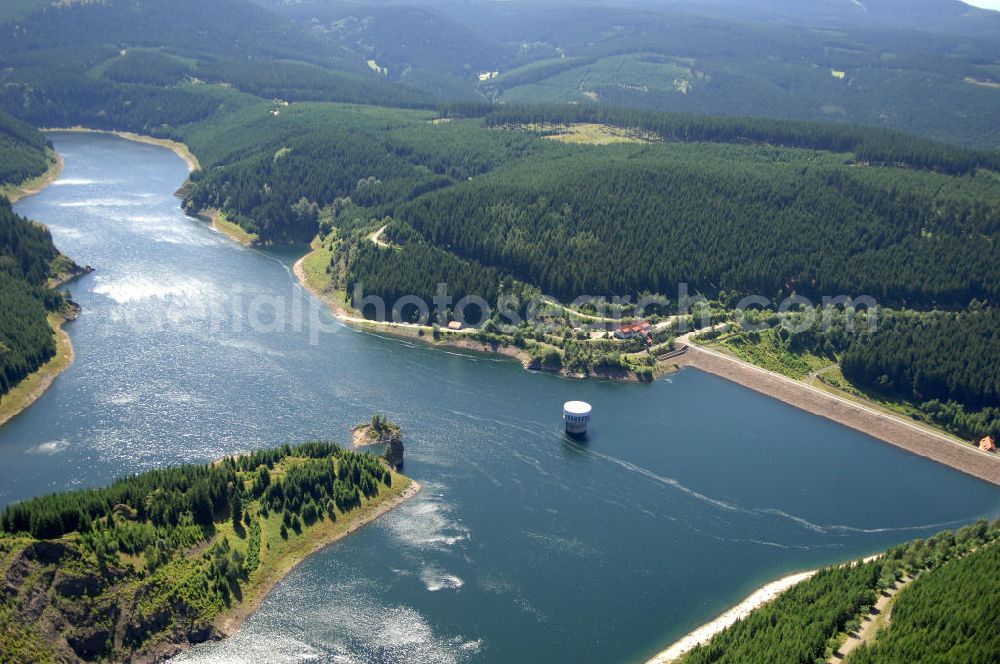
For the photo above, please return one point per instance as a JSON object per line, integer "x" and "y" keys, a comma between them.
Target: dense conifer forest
{"x": 947, "y": 616}
{"x": 25, "y": 334}
{"x": 26, "y": 260}
{"x": 803, "y": 623}
{"x": 719, "y": 217}
{"x": 322, "y": 475}
{"x": 264, "y": 161}
{"x": 622, "y": 220}
{"x": 927, "y": 356}
{"x": 948, "y": 362}
{"x": 873, "y": 146}
{"x": 23, "y": 151}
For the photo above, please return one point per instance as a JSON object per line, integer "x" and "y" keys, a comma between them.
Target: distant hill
{"x": 900, "y": 9}
{"x": 937, "y": 16}
{"x": 153, "y": 65}
{"x": 234, "y": 27}
{"x": 930, "y": 67}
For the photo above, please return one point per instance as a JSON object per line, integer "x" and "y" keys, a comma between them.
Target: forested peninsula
{"x": 155, "y": 562}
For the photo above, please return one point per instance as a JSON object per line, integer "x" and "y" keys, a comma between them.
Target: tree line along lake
{"x": 523, "y": 545}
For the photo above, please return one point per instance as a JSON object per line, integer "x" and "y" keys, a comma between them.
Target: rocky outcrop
{"x": 74, "y": 586}
{"x": 381, "y": 431}
{"x": 394, "y": 452}
{"x": 83, "y": 613}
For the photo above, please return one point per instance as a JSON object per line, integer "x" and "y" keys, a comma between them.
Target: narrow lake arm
{"x": 178, "y": 148}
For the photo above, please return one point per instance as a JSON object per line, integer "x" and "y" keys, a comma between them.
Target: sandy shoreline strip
{"x": 35, "y": 185}
{"x": 32, "y": 387}
{"x": 759, "y": 597}
{"x": 891, "y": 429}
{"x": 217, "y": 220}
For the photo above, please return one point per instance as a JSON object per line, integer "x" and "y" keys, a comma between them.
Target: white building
{"x": 577, "y": 416}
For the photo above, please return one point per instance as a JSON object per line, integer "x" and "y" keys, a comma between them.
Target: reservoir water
{"x": 523, "y": 546}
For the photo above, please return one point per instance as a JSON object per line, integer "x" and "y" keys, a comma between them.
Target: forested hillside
{"x": 947, "y": 616}
{"x": 928, "y": 69}
{"x": 949, "y": 362}
{"x": 315, "y": 154}
{"x": 927, "y": 356}
{"x": 871, "y": 146}
{"x": 803, "y": 623}
{"x": 152, "y": 66}
{"x": 22, "y": 151}
{"x": 145, "y": 566}
{"x": 28, "y": 261}
{"x": 613, "y": 220}
{"x": 627, "y": 219}
{"x": 492, "y": 207}
{"x": 26, "y": 265}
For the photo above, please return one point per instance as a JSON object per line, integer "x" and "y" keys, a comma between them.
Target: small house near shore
{"x": 640, "y": 330}
{"x": 988, "y": 444}
{"x": 455, "y": 325}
